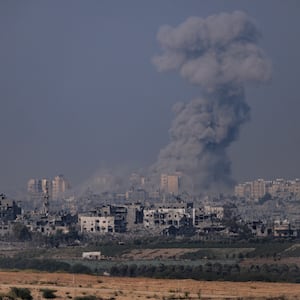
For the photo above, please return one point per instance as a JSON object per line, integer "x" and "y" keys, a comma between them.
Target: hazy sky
{"x": 78, "y": 89}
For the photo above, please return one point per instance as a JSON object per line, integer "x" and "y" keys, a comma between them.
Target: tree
{"x": 21, "y": 232}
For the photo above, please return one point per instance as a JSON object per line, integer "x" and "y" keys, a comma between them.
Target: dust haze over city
{"x": 207, "y": 90}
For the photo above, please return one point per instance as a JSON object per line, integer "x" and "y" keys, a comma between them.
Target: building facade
{"x": 94, "y": 224}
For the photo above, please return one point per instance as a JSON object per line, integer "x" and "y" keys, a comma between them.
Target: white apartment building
{"x": 94, "y": 224}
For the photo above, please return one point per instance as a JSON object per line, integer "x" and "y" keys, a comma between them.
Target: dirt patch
{"x": 68, "y": 286}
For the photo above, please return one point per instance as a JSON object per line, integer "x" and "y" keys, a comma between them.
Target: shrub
{"x": 86, "y": 298}
{"x": 48, "y": 293}
{"x": 22, "y": 293}
{"x": 80, "y": 269}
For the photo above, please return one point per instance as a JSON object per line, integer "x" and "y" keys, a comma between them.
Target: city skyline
{"x": 79, "y": 91}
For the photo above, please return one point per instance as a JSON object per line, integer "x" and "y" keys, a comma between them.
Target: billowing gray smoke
{"x": 220, "y": 55}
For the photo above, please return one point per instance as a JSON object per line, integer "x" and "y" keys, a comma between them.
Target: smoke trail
{"x": 220, "y": 55}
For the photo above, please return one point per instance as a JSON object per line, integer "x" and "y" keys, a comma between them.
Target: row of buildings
{"x": 54, "y": 188}
{"x": 276, "y": 188}
{"x": 174, "y": 218}
{"x": 170, "y": 184}
{"x": 178, "y": 217}
{"x": 167, "y": 210}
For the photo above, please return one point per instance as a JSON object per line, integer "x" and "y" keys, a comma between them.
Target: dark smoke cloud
{"x": 220, "y": 55}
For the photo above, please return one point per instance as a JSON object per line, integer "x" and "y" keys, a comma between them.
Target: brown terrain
{"x": 69, "y": 286}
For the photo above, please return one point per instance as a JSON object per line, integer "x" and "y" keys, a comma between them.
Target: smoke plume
{"x": 220, "y": 55}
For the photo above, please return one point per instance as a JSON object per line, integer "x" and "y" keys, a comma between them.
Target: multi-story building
{"x": 35, "y": 192}
{"x": 164, "y": 217}
{"x": 276, "y": 188}
{"x": 296, "y": 186}
{"x": 258, "y": 189}
{"x": 239, "y": 190}
{"x": 282, "y": 228}
{"x": 54, "y": 189}
{"x": 38, "y": 186}
{"x": 9, "y": 211}
{"x": 46, "y": 187}
{"x": 163, "y": 182}
{"x": 96, "y": 224}
{"x": 243, "y": 190}
{"x": 134, "y": 217}
{"x": 59, "y": 187}
{"x": 170, "y": 183}
{"x": 216, "y": 211}
{"x": 119, "y": 212}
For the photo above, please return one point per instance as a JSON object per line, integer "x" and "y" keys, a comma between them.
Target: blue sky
{"x": 78, "y": 89}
